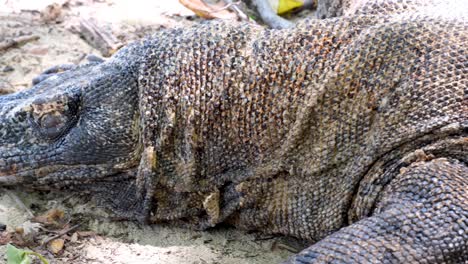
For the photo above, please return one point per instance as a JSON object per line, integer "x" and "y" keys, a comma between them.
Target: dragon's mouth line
{"x": 8, "y": 180}
{"x": 56, "y": 176}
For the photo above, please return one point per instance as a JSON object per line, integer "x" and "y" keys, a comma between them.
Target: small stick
{"x": 99, "y": 38}
{"x": 228, "y": 5}
{"x": 11, "y": 43}
{"x": 234, "y": 6}
{"x": 61, "y": 233}
{"x": 287, "y": 247}
{"x": 269, "y": 16}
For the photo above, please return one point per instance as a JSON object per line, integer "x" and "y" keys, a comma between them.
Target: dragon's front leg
{"x": 422, "y": 217}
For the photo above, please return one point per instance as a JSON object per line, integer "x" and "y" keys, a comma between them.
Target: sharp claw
{"x": 52, "y": 71}
{"x": 64, "y": 67}
{"x": 40, "y": 78}
{"x": 94, "y": 58}
{"x": 59, "y": 68}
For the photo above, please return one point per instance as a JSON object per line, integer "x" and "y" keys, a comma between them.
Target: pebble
{"x": 8, "y": 68}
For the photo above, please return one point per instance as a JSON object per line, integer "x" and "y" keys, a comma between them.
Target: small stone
{"x": 19, "y": 230}
{"x": 74, "y": 238}
{"x": 8, "y": 68}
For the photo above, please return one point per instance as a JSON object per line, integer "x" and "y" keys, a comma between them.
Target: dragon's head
{"x": 75, "y": 126}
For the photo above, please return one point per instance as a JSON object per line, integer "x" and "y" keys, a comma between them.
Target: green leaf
{"x": 16, "y": 255}
{"x": 20, "y": 256}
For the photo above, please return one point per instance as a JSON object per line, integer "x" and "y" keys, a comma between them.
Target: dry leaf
{"x": 204, "y": 10}
{"x": 51, "y": 217}
{"x": 5, "y": 238}
{"x": 20, "y": 240}
{"x": 56, "y": 245}
{"x": 52, "y": 13}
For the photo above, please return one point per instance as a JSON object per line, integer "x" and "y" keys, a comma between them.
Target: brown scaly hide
{"x": 287, "y": 128}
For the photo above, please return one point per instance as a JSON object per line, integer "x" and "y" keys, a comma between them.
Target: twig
{"x": 61, "y": 233}
{"x": 234, "y": 6}
{"x": 11, "y": 43}
{"x": 269, "y": 16}
{"x": 228, "y": 5}
{"x": 263, "y": 238}
{"x": 20, "y": 84}
{"x": 100, "y": 39}
{"x": 287, "y": 247}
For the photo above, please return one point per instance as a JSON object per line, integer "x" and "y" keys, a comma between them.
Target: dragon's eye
{"x": 52, "y": 118}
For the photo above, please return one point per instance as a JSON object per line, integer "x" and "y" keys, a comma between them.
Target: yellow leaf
{"x": 288, "y": 5}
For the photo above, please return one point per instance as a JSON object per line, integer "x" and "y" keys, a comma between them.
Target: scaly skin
{"x": 349, "y": 131}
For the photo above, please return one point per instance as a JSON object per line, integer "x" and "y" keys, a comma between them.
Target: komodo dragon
{"x": 350, "y": 132}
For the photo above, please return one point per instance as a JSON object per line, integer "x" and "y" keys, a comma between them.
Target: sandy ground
{"x": 129, "y": 242}
{"x": 115, "y": 242}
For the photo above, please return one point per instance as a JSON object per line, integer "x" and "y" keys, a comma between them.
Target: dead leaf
{"x": 51, "y": 217}
{"x": 52, "y": 13}
{"x": 56, "y": 245}
{"x": 19, "y": 239}
{"x": 204, "y": 10}
{"x": 5, "y": 238}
